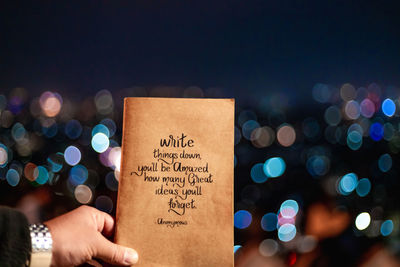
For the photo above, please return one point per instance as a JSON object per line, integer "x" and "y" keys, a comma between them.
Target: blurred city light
{"x": 257, "y": 173}
{"x": 72, "y": 148}
{"x": 287, "y": 232}
{"x": 363, "y": 187}
{"x": 348, "y": 183}
{"x": 242, "y": 219}
{"x": 388, "y": 107}
{"x": 72, "y": 155}
{"x": 274, "y": 167}
{"x": 363, "y": 220}
{"x": 387, "y": 227}
{"x": 269, "y": 222}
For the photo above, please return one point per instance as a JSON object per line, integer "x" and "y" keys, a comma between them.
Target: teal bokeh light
{"x": 274, "y": 167}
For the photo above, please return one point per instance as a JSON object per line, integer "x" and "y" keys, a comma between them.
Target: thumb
{"x": 115, "y": 254}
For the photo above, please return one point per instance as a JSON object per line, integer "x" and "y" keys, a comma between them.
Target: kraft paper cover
{"x": 175, "y": 198}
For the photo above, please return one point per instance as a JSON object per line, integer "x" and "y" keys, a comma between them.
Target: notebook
{"x": 175, "y": 196}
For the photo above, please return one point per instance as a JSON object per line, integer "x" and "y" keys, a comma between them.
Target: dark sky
{"x": 242, "y": 46}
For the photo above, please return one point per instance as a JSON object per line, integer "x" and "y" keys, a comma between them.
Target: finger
{"x": 105, "y": 223}
{"x": 113, "y": 253}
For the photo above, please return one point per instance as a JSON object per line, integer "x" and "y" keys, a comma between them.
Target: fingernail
{"x": 130, "y": 256}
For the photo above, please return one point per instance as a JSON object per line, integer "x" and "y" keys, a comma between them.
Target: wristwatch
{"x": 42, "y": 244}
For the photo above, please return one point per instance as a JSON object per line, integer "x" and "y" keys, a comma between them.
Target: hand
{"x": 77, "y": 238}
{"x": 324, "y": 222}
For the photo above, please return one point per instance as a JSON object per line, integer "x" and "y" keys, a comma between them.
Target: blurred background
{"x": 317, "y": 131}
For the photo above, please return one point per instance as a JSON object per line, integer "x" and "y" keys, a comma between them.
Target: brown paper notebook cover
{"x": 175, "y": 198}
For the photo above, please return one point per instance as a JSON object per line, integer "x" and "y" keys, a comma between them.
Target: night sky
{"x": 244, "y": 47}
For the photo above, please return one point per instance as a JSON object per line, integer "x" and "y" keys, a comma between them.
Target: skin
{"x": 78, "y": 238}
{"x": 323, "y": 222}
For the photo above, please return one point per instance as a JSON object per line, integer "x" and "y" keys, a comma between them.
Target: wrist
{"x": 42, "y": 245}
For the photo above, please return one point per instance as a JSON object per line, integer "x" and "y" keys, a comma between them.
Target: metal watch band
{"x": 40, "y": 238}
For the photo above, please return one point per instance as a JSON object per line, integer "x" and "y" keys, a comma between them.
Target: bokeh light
{"x": 56, "y": 161}
{"x": 257, "y": 173}
{"x": 6, "y": 119}
{"x": 367, "y": 108}
{"x": 83, "y": 194}
{"x": 352, "y": 110}
{"x": 274, "y": 167}
{"x": 385, "y": 162}
{"x": 101, "y": 128}
{"x": 12, "y": 177}
{"x": 348, "y": 92}
{"x": 18, "y": 132}
{"x": 42, "y": 175}
{"x": 78, "y": 175}
{"x": 104, "y": 102}
{"x": 100, "y": 142}
{"x": 3, "y": 155}
{"x": 363, "y": 187}
{"x": 388, "y": 131}
{"x": 348, "y": 183}
{"x": 286, "y": 135}
{"x": 72, "y": 155}
{"x": 354, "y": 140}
{"x": 289, "y": 208}
{"x": 269, "y": 222}
{"x": 50, "y": 103}
{"x": 236, "y": 248}
{"x": 388, "y": 107}
{"x": 376, "y": 131}
{"x": 104, "y": 157}
{"x": 332, "y": 115}
{"x": 289, "y": 218}
{"x": 242, "y": 219}
{"x": 268, "y": 247}
{"x": 114, "y": 158}
{"x": 30, "y": 171}
{"x": 287, "y": 232}
{"x": 262, "y": 137}
{"x": 387, "y": 227}
{"x": 363, "y": 220}
{"x": 355, "y": 127}
{"x": 111, "y": 126}
{"x": 248, "y": 127}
